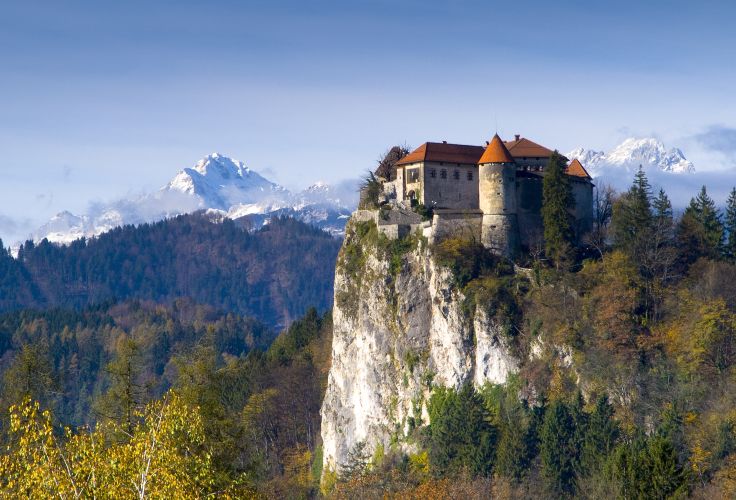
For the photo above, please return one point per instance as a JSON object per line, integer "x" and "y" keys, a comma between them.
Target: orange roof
{"x": 441, "y": 151}
{"x": 576, "y": 169}
{"x": 521, "y": 147}
{"x": 496, "y": 152}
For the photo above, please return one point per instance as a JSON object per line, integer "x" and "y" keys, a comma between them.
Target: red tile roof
{"x": 575, "y": 168}
{"x": 441, "y": 151}
{"x": 522, "y": 147}
{"x": 496, "y": 152}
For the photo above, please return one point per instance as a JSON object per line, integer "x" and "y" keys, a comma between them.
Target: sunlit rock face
{"x": 400, "y": 329}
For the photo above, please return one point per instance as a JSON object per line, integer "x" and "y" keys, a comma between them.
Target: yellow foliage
{"x": 164, "y": 457}
{"x": 419, "y": 463}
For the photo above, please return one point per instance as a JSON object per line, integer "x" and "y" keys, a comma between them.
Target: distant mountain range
{"x": 227, "y": 187}
{"x": 647, "y": 152}
{"x": 217, "y": 184}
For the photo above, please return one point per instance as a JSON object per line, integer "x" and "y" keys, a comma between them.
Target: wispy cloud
{"x": 719, "y": 138}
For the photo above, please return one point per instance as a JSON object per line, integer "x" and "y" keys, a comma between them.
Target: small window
{"x": 412, "y": 175}
{"x": 456, "y": 175}
{"x": 433, "y": 173}
{"x": 443, "y": 174}
{"x": 470, "y": 175}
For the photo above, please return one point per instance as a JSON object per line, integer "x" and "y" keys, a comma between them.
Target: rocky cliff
{"x": 402, "y": 325}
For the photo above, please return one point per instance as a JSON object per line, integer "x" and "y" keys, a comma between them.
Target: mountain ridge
{"x": 632, "y": 152}
{"x": 215, "y": 183}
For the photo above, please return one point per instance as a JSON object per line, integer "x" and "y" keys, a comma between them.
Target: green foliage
{"x": 370, "y": 191}
{"x": 467, "y": 260}
{"x": 701, "y": 232}
{"x": 730, "y": 226}
{"x": 460, "y": 435}
{"x": 518, "y": 427}
{"x": 117, "y": 354}
{"x": 632, "y": 216}
{"x": 424, "y": 211}
{"x": 557, "y": 203}
{"x": 559, "y": 449}
{"x": 274, "y": 274}
{"x": 647, "y": 468}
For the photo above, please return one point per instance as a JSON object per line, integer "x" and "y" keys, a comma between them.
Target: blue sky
{"x": 102, "y": 99}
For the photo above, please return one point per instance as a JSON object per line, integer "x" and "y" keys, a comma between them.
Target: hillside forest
{"x": 627, "y": 349}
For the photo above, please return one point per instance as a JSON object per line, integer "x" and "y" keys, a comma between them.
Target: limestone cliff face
{"x": 400, "y": 329}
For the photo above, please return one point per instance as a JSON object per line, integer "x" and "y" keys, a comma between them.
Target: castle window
{"x": 443, "y": 174}
{"x": 412, "y": 175}
{"x": 433, "y": 173}
{"x": 470, "y": 175}
{"x": 456, "y": 175}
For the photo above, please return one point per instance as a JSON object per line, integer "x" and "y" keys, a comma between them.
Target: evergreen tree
{"x": 559, "y": 449}
{"x": 460, "y": 433}
{"x": 600, "y": 437}
{"x": 700, "y": 230}
{"x": 557, "y": 203}
{"x": 730, "y": 226}
{"x": 662, "y": 208}
{"x": 632, "y": 217}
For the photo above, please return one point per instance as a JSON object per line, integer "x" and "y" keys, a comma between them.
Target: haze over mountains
{"x": 228, "y": 187}
{"x": 215, "y": 183}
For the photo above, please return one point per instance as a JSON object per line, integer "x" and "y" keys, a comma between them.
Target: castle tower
{"x": 497, "y": 196}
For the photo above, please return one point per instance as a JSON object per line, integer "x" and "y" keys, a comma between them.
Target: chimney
{"x": 487, "y": 143}
{"x": 444, "y": 142}
{"x": 517, "y": 137}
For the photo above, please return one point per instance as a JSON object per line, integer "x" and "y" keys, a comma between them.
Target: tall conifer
{"x": 632, "y": 217}
{"x": 731, "y": 225}
{"x": 701, "y": 227}
{"x": 557, "y": 203}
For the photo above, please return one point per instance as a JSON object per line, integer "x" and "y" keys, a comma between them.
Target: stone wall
{"x": 465, "y": 224}
{"x": 458, "y": 189}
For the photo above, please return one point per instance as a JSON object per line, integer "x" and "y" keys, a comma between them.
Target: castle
{"x": 492, "y": 193}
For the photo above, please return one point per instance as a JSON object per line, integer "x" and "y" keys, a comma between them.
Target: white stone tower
{"x": 497, "y": 196}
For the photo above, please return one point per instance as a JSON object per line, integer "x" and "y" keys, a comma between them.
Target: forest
{"x": 625, "y": 388}
{"x": 274, "y": 273}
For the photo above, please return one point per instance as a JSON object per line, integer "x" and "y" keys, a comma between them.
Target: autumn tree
{"x": 387, "y": 163}
{"x": 128, "y": 390}
{"x": 165, "y": 457}
{"x": 31, "y": 374}
{"x": 603, "y": 201}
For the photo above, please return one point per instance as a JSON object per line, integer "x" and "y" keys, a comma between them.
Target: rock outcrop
{"x": 401, "y": 327}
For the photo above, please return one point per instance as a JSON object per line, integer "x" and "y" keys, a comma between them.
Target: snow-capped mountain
{"x": 648, "y": 152}
{"x": 221, "y": 182}
{"x": 218, "y": 184}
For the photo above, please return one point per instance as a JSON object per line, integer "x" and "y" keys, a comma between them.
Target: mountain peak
{"x": 632, "y": 152}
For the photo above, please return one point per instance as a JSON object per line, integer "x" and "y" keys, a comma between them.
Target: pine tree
{"x": 558, "y": 449}
{"x": 600, "y": 437}
{"x": 662, "y": 208}
{"x": 632, "y": 217}
{"x": 460, "y": 434}
{"x": 701, "y": 230}
{"x": 730, "y": 226}
{"x": 558, "y": 201}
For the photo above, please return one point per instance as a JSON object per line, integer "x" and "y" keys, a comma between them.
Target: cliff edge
{"x": 408, "y": 317}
